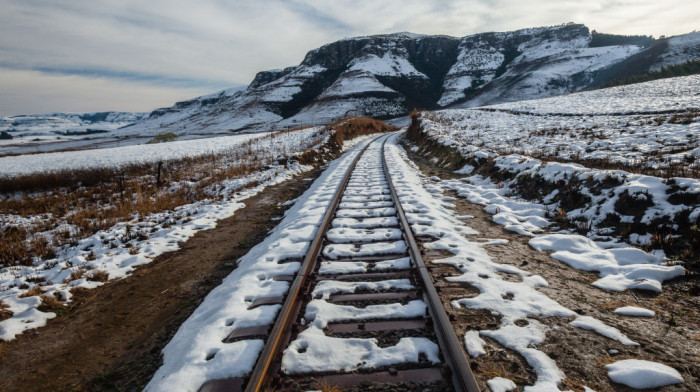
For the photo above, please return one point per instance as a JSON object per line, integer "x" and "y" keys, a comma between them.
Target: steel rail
{"x": 291, "y": 306}
{"x": 462, "y": 376}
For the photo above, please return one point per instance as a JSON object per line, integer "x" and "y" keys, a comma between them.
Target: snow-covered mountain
{"x": 385, "y": 76}
{"x": 388, "y": 75}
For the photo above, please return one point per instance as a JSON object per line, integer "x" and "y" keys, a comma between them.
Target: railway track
{"x": 362, "y": 310}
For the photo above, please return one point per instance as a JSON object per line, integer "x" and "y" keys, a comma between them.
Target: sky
{"x": 126, "y": 55}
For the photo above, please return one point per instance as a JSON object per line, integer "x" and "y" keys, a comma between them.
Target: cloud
{"x": 29, "y": 92}
{"x": 212, "y": 44}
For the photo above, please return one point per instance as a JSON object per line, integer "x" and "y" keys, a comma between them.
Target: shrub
{"x": 13, "y": 246}
{"x": 163, "y": 138}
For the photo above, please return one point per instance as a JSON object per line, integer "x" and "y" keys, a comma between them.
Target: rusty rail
{"x": 462, "y": 376}
{"x": 287, "y": 314}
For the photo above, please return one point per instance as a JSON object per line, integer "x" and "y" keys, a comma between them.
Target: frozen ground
{"x": 653, "y": 124}
{"x": 526, "y": 194}
{"x": 118, "y": 156}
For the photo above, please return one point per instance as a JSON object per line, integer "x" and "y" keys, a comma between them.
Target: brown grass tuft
{"x": 34, "y": 291}
{"x": 76, "y": 274}
{"x": 353, "y": 127}
{"x": 81, "y": 294}
{"x": 5, "y": 313}
{"x": 324, "y": 386}
{"x": 50, "y": 303}
{"x": 13, "y": 246}
{"x": 98, "y": 276}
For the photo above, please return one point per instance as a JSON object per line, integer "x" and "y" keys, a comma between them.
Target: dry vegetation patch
{"x": 5, "y": 313}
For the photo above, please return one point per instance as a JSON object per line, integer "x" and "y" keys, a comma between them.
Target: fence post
{"x": 160, "y": 167}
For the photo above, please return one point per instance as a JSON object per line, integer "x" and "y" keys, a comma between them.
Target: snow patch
{"x": 641, "y": 374}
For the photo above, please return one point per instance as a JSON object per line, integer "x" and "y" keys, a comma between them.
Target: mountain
{"x": 386, "y": 76}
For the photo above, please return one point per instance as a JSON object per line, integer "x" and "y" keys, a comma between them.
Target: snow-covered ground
{"x": 594, "y": 202}
{"x": 118, "y": 156}
{"x": 117, "y": 250}
{"x": 640, "y": 124}
{"x": 671, "y": 94}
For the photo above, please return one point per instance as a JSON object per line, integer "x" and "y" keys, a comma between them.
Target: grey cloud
{"x": 179, "y": 43}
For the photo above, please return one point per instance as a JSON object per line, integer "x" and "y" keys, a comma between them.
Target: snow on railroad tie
{"x": 313, "y": 351}
{"x": 197, "y": 353}
{"x": 337, "y": 251}
{"x": 319, "y": 312}
{"x": 368, "y": 192}
{"x": 343, "y": 235}
{"x": 517, "y": 304}
{"x": 367, "y": 223}
{"x": 363, "y": 182}
{"x": 364, "y": 199}
{"x": 360, "y": 205}
{"x": 358, "y": 267}
{"x": 366, "y": 213}
{"x": 325, "y": 288}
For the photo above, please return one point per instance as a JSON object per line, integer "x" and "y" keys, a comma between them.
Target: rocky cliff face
{"x": 386, "y": 76}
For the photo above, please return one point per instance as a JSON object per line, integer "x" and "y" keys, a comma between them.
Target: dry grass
{"x": 573, "y": 384}
{"x": 98, "y": 276}
{"x": 81, "y": 294}
{"x": 5, "y": 313}
{"x": 13, "y": 246}
{"x": 79, "y": 203}
{"x": 607, "y": 360}
{"x": 49, "y": 303}
{"x": 324, "y": 386}
{"x": 34, "y": 291}
{"x": 497, "y": 369}
{"x": 357, "y": 126}
{"x": 76, "y": 274}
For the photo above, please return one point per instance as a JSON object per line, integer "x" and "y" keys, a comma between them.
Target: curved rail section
{"x": 362, "y": 310}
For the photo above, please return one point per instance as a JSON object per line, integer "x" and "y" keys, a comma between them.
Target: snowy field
{"x": 651, "y": 125}
{"x": 118, "y": 156}
{"x": 672, "y": 94}
{"x": 118, "y": 249}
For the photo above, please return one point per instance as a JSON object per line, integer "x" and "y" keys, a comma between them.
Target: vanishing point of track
{"x": 366, "y": 203}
